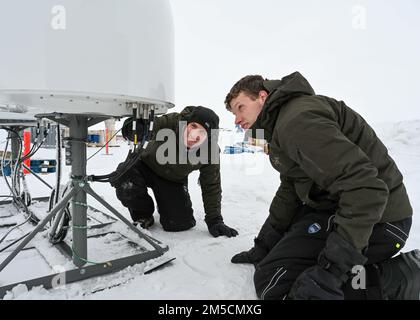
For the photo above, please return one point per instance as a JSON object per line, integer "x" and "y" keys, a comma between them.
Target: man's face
{"x": 246, "y": 109}
{"x": 194, "y": 135}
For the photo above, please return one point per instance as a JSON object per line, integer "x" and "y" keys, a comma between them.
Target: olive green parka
{"x": 329, "y": 158}
{"x": 179, "y": 170}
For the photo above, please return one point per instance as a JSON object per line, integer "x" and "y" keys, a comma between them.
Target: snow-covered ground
{"x": 202, "y": 269}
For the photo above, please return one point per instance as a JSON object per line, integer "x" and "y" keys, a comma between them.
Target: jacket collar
{"x": 280, "y": 92}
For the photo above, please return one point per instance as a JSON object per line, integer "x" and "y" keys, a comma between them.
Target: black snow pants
{"x": 300, "y": 246}
{"x": 173, "y": 199}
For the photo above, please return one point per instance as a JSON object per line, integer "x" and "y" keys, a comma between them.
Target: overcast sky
{"x": 366, "y": 53}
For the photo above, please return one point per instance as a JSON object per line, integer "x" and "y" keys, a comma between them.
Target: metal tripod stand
{"x": 77, "y": 194}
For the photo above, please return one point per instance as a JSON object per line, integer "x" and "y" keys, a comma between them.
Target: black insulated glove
{"x": 220, "y": 229}
{"x": 324, "y": 280}
{"x": 267, "y": 238}
{"x": 253, "y": 255}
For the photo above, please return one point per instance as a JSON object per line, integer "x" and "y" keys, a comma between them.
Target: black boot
{"x": 145, "y": 223}
{"x": 400, "y": 276}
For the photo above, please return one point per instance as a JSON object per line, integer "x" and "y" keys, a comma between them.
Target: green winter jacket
{"x": 330, "y": 159}
{"x": 178, "y": 172}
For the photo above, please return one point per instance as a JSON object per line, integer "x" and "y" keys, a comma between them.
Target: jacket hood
{"x": 280, "y": 92}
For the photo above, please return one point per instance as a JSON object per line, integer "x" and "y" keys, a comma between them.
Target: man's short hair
{"x": 251, "y": 85}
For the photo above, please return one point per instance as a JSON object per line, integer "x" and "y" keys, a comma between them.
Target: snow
{"x": 202, "y": 268}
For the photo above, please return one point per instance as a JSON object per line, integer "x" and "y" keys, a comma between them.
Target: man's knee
{"x": 126, "y": 191}
{"x": 173, "y": 225}
{"x": 271, "y": 283}
{"x": 134, "y": 197}
{"x": 178, "y": 217}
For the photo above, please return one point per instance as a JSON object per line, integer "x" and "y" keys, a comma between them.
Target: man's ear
{"x": 263, "y": 95}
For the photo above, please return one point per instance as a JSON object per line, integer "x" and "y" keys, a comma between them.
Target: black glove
{"x": 253, "y": 255}
{"x": 324, "y": 280}
{"x": 267, "y": 238}
{"x": 220, "y": 229}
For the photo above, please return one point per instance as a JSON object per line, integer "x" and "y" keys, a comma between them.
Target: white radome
{"x": 86, "y": 56}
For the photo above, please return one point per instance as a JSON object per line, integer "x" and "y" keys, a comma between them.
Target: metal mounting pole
{"x": 78, "y": 132}
{"x": 77, "y": 195}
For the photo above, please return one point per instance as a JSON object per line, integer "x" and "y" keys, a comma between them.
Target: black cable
{"x": 34, "y": 149}
{"x": 58, "y": 159}
{"x": 3, "y": 165}
{"x": 16, "y": 196}
{"x": 15, "y": 227}
{"x": 31, "y": 152}
{"x": 14, "y": 242}
{"x": 16, "y": 170}
{"x": 132, "y": 158}
{"x": 9, "y": 164}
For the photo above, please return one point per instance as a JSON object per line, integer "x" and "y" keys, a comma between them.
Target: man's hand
{"x": 243, "y": 257}
{"x": 267, "y": 238}
{"x": 220, "y": 229}
{"x": 253, "y": 255}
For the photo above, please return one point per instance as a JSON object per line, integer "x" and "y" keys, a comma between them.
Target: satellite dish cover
{"x": 87, "y": 56}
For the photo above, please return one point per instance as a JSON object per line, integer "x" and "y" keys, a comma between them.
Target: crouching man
{"x": 341, "y": 212}
{"x": 170, "y": 156}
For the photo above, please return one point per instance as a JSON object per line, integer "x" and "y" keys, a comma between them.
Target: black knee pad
{"x": 142, "y": 208}
{"x": 134, "y": 197}
{"x": 259, "y": 280}
{"x": 269, "y": 283}
{"x": 126, "y": 191}
{"x": 175, "y": 226}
